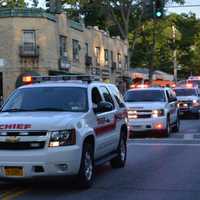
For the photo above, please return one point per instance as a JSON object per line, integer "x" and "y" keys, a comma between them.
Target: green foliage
{"x": 13, "y": 3}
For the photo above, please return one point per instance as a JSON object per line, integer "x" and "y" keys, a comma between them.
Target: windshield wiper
{"x": 15, "y": 110}
{"x": 49, "y": 109}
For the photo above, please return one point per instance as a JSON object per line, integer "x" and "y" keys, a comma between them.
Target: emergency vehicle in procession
{"x": 188, "y": 100}
{"x": 62, "y": 125}
{"x": 152, "y": 110}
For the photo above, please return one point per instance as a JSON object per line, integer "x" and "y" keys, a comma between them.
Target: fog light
{"x": 159, "y": 126}
{"x": 62, "y": 167}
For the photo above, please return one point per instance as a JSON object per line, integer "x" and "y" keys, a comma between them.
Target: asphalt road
{"x": 157, "y": 169}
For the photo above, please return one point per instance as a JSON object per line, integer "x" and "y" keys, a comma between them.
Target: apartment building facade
{"x": 35, "y": 42}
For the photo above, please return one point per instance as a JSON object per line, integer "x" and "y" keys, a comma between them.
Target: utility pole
{"x": 174, "y": 52}
{"x": 152, "y": 61}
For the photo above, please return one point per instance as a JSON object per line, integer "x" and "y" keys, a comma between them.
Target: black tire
{"x": 86, "y": 173}
{"x": 197, "y": 116}
{"x": 120, "y": 160}
{"x": 167, "y": 131}
{"x": 176, "y": 128}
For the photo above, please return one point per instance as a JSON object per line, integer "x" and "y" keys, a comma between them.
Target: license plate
{"x": 13, "y": 171}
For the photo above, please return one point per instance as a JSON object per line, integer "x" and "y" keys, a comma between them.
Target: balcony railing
{"x": 26, "y": 12}
{"x": 88, "y": 60}
{"x": 29, "y": 51}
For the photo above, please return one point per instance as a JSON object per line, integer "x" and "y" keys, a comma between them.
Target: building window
{"x": 86, "y": 49}
{"x": 111, "y": 56}
{"x": 106, "y": 57}
{"x": 126, "y": 62}
{"x": 76, "y": 49}
{"x": 29, "y": 40}
{"x": 63, "y": 46}
{"x": 97, "y": 55}
{"x": 119, "y": 60}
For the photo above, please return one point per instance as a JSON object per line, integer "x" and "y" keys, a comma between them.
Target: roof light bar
{"x": 84, "y": 78}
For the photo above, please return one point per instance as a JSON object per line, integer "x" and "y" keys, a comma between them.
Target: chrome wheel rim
{"x": 88, "y": 166}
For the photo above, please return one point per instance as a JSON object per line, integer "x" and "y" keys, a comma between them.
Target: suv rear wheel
{"x": 177, "y": 126}
{"x": 86, "y": 172}
{"x": 120, "y": 160}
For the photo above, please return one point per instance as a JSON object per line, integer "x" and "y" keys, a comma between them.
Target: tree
{"x": 13, "y": 3}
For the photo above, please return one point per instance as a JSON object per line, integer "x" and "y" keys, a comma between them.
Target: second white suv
{"x": 152, "y": 110}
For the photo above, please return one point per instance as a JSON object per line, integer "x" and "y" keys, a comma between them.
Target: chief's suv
{"x": 152, "y": 110}
{"x": 62, "y": 127}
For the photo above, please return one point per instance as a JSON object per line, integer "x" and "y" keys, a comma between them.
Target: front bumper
{"x": 54, "y": 162}
{"x": 189, "y": 110}
{"x": 147, "y": 125}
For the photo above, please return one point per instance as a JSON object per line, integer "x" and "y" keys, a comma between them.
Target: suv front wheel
{"x": 86, "y": 172}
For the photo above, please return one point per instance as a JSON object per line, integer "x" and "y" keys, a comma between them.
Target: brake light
{"x": 27, "y": 79}
{"x": 189, "y": 85}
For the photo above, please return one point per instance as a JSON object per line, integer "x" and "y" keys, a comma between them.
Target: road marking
{"x": 161, "y": 144}
{"x": 188, "y": 136}
{"x": 14, "y": 193}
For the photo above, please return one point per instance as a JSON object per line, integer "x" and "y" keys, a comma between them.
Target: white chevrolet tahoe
{"x": 188, "y": 101}
{"x": 152, "y": 110}
{"x": 59, "y": 128}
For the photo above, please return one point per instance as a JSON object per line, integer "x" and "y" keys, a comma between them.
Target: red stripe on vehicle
{"x": 106, "y": 128}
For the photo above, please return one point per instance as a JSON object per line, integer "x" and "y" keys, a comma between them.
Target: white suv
{"x": 152, "y": 110}
{"x": 62, "y": 128}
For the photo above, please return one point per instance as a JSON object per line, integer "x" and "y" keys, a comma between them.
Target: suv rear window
{"x": 145, "y": 96}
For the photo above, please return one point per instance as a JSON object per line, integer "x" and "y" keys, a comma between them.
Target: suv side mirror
{"x": 103, "y": 106}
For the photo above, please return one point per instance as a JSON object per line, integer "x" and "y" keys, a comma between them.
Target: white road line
{"x": 161, "y": 144}
{"x": 188, "y": 136}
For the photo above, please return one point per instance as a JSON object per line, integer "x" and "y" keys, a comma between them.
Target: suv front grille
{"x": 142, "y": 114}
{"x": 23, "y": 133}
{"x": 21, "y": 145}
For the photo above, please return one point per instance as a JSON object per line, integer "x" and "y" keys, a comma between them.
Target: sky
{"x": 195, "y": 10}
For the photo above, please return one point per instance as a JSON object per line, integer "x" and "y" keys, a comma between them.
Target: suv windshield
{"x": 70, "y": 99}
{"x": 145, "y": 95}
{"x": 195, "y": 82}
{"x": 186, "y": 92}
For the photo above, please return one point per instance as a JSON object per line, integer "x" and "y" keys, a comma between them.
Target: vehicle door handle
{"x": 107, "y": 120}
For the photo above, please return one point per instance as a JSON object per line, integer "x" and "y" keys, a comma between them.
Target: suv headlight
{"x": 158, "y": 113}
{"x": 195, "y": 103}
{"x": 62, "y": 138}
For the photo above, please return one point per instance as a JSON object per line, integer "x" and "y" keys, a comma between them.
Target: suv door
{"x": 172, "y": 105}
{"x": 112, "y": 136}
{"x": 103, "y": 125}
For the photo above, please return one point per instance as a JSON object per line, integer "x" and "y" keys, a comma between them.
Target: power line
{"x": 184, "y": 6}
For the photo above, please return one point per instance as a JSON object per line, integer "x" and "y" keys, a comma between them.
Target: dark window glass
{"x": 118, "y": 96}
{"x": 70, "y": 99}
{"x": 96, "y": 97}
{"x": 106, "y": 56}
{"x": 107, "y": 95}
{"x": 145, "y": 96}
{"x": 63, "y": 45}
{"x": 186, "y": 92}
{"x": 76, "y": 46}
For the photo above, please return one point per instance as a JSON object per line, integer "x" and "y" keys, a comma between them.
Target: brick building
{"x": 33, "y": 41}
